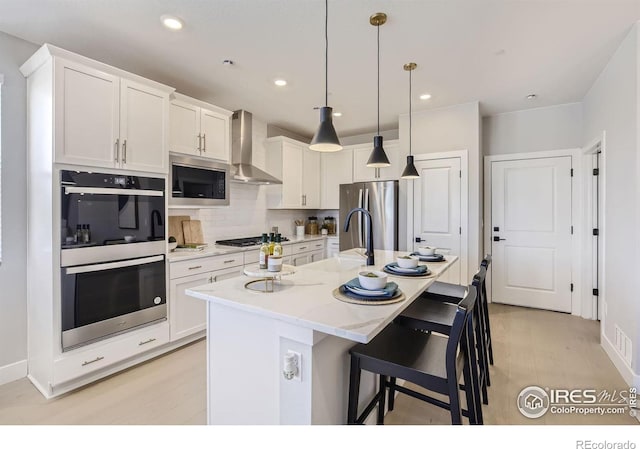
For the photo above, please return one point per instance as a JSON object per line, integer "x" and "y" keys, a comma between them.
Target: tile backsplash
{"x": 247, "y": 215}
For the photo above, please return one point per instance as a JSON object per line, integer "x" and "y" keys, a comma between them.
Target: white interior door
{"x": 531, "y": 232}
{"x": 436, "y": 211}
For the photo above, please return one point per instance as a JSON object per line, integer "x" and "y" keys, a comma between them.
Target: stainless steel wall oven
{"x": 113, "y": 266}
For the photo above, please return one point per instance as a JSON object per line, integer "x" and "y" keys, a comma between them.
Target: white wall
{"x": 611, "y": 105}
{"x": 452, "y": 128}
{"x": 13, "y": 280}
{"x": 541, "y": 129}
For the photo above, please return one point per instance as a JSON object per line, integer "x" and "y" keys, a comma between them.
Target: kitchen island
{"x": 249, "y": 333}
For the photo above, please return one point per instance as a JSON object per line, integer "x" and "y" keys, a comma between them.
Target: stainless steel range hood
{"x": 242, "y": 150}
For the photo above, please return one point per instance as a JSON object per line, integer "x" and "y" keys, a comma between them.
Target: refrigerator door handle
{"x": 360, "y": 204}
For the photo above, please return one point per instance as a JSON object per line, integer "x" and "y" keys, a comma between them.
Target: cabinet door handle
{"x": 124, "y": 151}
{"x": 229, "y": 261}
{"x": 199, "y": 142}
{"x": 302, "y": 247}
{"x": 196, "y": 267}
{"x": 210, "y": 279}
{"x": 204, "y": 142}
{"x": 117, "y": 145}
{"x": 97, "y": 359}
{"x": 146, "y": 341}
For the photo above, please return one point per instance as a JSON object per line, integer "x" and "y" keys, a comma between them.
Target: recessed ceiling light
{"x": 425, "y": 96}
{"x": 280, "y": 83}
{"x": 337, "y": 114}
{"x": 532, "y": 97}
{"x": 171, "y": 22}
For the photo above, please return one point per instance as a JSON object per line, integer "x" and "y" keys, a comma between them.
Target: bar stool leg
{"x": 354, "y": 390}
{"x": 392, "y": 393}
{"x": 382, "y": 393}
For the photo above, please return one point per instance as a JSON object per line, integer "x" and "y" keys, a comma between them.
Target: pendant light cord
{"x": 326, "y": 53}
{"x": 378, "y": 79}
{"x": 410, "y": 112}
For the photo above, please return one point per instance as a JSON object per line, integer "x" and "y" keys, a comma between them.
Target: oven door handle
{"x": 107, "y": 191}
{"x": 112, "y": 265}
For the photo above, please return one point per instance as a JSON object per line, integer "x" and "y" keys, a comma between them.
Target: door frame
{"x": 593, "y": 308}
{"x": 464, "y": 205}
{"x": 577, "y": 198}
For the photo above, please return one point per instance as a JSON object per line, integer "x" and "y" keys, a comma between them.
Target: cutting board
{"x": 192, "y": 230}
{"x": 175, "y": 227}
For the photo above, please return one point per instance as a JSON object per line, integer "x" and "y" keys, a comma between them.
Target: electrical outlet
{"x": 292, "y": 366}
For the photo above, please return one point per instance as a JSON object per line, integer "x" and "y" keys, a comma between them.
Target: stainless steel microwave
{"x": 197, "y": 182}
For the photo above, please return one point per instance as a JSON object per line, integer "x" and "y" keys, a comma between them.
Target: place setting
{"x": 428, "y": 254}
{"x": 370, "y": 288}
{"x": 407, "y": 266}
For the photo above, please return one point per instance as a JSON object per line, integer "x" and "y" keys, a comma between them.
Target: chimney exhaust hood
{"x": 242, "y": 150}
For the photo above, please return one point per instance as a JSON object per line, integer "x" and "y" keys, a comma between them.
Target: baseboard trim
{"x": 631, "y": 378}
{"x": 13, "y": 371}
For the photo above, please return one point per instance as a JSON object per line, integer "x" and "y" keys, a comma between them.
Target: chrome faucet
{"x": 369, "y": 252}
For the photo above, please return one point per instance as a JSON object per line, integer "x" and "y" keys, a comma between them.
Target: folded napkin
{"x": 354, "y": 286}
{"x": 420, "y": 269}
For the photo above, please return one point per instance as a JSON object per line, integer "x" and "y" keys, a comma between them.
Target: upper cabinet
{"x": 335, "y": 168}
{"x": 362, "y": 173}
{"x": 200, "y": 129}
{"x": 103, "y": 116}
{"x": 299, "y": 169}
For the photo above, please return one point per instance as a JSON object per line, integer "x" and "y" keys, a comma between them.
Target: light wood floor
{"x": 531, "y": 347}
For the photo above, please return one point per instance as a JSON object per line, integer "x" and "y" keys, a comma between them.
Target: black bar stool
{"x": 427, "y": 314}
{"x": 485, "y": 310}
{"x": 431, "y": 361}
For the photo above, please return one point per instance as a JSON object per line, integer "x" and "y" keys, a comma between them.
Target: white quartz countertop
{"x": 305, "y": 298}
{"x": 215, "y": 250}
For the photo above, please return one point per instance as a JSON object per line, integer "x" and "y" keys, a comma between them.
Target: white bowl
{"x": 172, "y": 245}
{"x": 426, "y": 250}
{"x": 407, "y": 261}
{"x": 129, "y": 238}
{"x": 372, "y": 283}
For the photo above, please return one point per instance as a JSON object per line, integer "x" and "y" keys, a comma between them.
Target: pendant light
{"x": 410, "y": 171}
{"x": 325, "y": 138}
{"x": 378, "y": 157}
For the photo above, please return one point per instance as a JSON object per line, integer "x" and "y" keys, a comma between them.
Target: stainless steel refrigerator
{"x": 380, "y": 198}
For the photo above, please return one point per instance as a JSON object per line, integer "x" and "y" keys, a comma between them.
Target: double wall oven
{"x": 113, "y": 267}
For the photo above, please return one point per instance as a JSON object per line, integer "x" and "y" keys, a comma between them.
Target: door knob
{"x": 418, "y": 240}
{"x": 497, "y": 239}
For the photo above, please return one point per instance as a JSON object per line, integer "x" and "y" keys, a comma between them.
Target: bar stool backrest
{"x": 463, "y": 315}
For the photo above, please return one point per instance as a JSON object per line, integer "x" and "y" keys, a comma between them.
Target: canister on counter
{"x": 312, "y": 226}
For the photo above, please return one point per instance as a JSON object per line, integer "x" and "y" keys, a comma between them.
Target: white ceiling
{"x": 492, "y": 51}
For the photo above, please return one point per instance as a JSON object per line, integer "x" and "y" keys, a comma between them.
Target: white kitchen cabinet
{"x": 199, "y": 129}
{"x": 300, "y": 259}
{"x": 299, "y": 169}
{"x": 335, "y": 168}
{"x": 333, "y": 246}
{"x": 316, "y": 256}
{"x": 106, "y": 120}
{"x": 187, "y": 315}
{"x": 362, "y": 173}
{"x": 306, "y": 252}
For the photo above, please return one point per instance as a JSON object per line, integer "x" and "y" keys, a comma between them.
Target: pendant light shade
{"x": 378, "y": 158}
{"x": 410, "y": 171}
{"x": 325, "y": 139}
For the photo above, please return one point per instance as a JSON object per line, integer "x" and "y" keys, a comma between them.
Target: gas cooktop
{"x": 246, "y": 241}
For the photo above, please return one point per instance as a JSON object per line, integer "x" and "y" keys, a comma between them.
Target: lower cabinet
{"x": 307, "y": 252}
{"x": 187, "y": 315}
